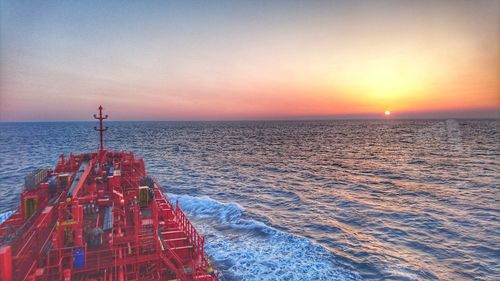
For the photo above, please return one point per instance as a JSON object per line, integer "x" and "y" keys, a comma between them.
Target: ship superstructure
{"x": 99, "y": 216}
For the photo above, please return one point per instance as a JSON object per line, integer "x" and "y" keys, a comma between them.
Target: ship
{"x": 99, "y": 216}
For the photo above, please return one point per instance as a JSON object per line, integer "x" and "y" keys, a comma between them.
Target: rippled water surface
{"x": 312, "y": 200}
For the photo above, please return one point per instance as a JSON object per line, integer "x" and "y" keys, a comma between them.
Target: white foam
{"x": 5, "y": 216}
{"x": 245, "y": 249}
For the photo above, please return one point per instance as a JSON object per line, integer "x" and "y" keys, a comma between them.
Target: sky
{"x": 245, "y": 60}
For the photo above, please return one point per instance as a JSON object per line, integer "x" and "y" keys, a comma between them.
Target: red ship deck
{"x": 98, "y": 216}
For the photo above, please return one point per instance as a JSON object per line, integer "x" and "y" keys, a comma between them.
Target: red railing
{"x": 166, "y": 252}
{"x": 196, "y": 239}
{"x": 32, "y": 244}
{"x": 192, "y": 234}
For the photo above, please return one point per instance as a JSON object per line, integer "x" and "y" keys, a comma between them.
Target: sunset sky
{"x": 230, "y": 60}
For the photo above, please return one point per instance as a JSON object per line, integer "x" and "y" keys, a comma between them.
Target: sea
{"x": 308, "y": 200}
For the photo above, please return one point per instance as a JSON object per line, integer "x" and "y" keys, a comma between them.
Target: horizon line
{"x": 266, "y": 119}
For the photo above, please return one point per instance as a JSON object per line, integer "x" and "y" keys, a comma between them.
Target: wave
{"x": 245, "y": 249}
{"x": 5, "y": 216}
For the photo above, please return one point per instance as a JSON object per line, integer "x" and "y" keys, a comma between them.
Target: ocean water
{"x": 309, "y": 200}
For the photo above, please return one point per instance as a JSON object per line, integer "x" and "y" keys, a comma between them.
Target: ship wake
{"x": 246, "y": 249}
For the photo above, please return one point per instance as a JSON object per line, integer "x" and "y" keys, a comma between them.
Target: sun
{"x": 387, "y": 113}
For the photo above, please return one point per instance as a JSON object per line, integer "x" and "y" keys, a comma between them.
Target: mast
{"x": 101, "y": 129}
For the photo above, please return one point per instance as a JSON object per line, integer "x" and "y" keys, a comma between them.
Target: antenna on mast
{"x": 101, "y": 129}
